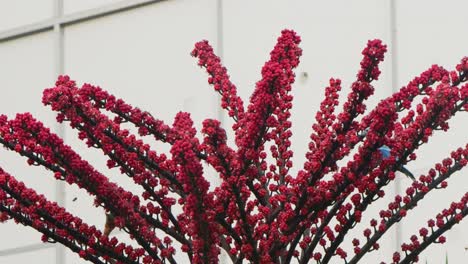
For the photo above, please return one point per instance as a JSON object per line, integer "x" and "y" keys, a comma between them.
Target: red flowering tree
{"x": 260, "y": 212}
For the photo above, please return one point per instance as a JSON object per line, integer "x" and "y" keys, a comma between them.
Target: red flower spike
{"x": 260, "y": 211}
{"x": 53, "y": 221}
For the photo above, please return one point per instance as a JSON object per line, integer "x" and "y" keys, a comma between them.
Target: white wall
{"x": 142, "y": 55}
{"x": 26, "y": 69}
{"x": 429, "y": 33}
{"x": 24, "y": 12}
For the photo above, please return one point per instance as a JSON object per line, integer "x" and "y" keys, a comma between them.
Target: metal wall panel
{"x": 23, "y": 12}
{"x": 71, "y": 6}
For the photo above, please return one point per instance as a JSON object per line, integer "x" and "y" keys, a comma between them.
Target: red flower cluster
{"x": 30, "y": 209}
{"x": 261, "y": 212}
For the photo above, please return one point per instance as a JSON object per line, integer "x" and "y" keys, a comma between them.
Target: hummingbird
{"x": 110, "y": 224}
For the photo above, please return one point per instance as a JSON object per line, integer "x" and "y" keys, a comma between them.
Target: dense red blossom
{"x": 260, "y": 212}
{"x": 27, "y": 207}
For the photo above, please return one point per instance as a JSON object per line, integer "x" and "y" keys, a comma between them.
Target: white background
{"x": 142, "y": 55}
